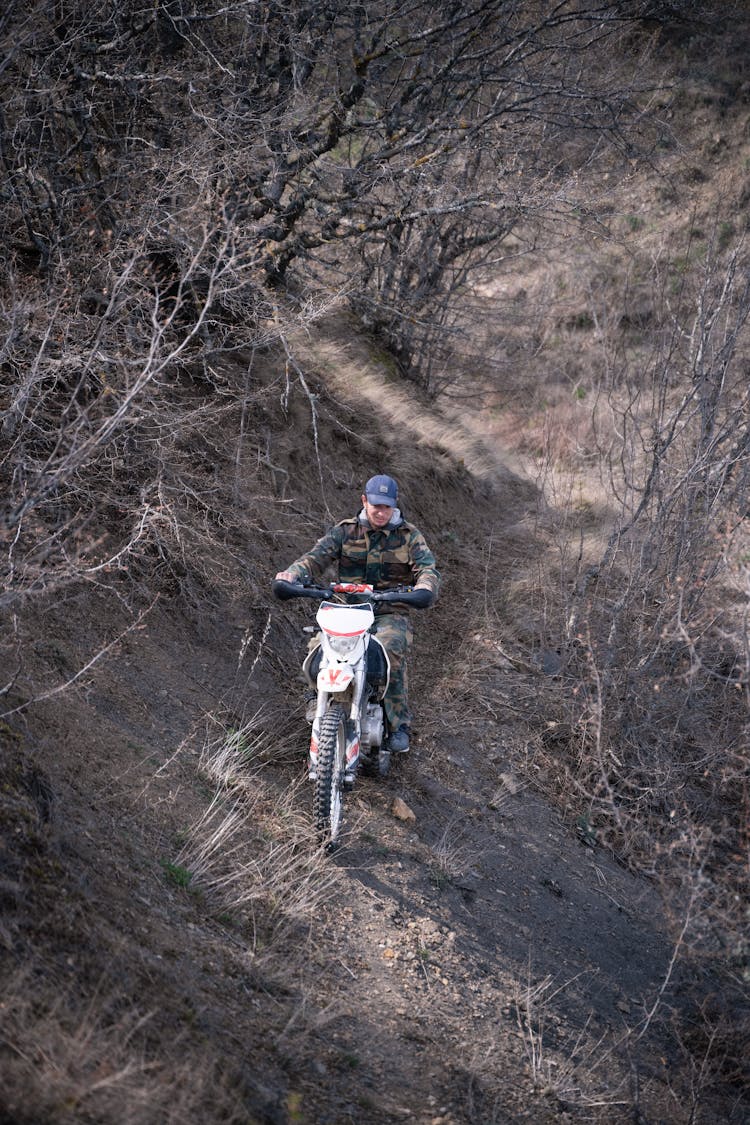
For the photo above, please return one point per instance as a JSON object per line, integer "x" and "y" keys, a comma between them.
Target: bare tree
{"x": 168, "y": 169}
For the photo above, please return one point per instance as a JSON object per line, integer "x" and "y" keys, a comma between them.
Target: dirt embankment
{"x": 176, "y": 950}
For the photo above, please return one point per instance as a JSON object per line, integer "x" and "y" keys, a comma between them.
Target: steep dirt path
{"x": 485, "y": 941}
{"x": 478, "y": 944}
{"x": 485, "y": 963}
{"x": 355, "y": 371}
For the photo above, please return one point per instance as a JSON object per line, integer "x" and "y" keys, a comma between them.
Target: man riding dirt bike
{"x": 380, "y": 548}
{"x": 357, "y": 663}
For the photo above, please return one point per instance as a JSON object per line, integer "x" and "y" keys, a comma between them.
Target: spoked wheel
{"x": 329, "y": 783}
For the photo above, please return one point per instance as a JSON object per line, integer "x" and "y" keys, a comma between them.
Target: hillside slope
{"x": 177, "y": 949}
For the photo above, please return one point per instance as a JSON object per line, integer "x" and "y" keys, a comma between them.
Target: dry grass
{"x": 253, "y": 850}
{"x": 69, "y": 1062}
{"x": 568, "y": 1069}
{"x": 626, "y": 642}
{"x": 452, "y": 855}
{"x": 359, "y": 374}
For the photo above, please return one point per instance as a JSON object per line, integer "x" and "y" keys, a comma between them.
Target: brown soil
{"x": 482, "y": 962}
{"x": 487, "y": 961}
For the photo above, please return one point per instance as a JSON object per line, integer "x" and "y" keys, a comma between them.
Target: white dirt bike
{"x": 350, "y": 670}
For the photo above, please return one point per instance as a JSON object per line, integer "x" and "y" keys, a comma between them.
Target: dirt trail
{"x": 357, "y": 373}
{"x": 448, "y": 930}
{"x": 482, "y": 952}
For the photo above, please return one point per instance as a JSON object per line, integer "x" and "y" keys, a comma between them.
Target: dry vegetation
{"x": 220, "y": 261}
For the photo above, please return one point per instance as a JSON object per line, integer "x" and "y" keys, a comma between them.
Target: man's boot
{"x": 399, "y": 740}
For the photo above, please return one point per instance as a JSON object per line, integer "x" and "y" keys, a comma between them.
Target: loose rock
{"x": 401, "y": 811}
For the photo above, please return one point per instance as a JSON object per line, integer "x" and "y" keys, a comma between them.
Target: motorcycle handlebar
{"x": 404, "y": 595}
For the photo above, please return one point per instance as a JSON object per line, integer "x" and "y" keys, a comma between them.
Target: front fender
{"x": 334, "y": 679}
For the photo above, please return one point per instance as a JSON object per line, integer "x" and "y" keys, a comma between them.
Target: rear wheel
{"x": 329, "y": 782}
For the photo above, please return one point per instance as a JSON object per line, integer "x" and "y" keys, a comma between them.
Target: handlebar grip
{"x": 420, "y": 599}
{"x": 281, "y": 589}
{"x": 284, "y": 590}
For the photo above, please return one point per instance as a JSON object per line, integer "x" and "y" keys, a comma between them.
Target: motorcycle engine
{"x": 372, "y": 727}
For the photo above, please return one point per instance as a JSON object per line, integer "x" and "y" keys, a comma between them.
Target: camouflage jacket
{"x": 397, "y": 555}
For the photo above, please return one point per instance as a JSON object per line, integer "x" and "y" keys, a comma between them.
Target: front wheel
{"x": 329, "y": 782}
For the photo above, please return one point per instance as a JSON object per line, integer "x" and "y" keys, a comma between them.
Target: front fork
{"x": 353, "y": 696}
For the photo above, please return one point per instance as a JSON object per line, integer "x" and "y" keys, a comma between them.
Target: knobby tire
{"x": 329, "y": 784}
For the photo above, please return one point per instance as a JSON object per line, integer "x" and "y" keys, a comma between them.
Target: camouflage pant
{"x": 395, "y": 632}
